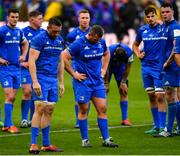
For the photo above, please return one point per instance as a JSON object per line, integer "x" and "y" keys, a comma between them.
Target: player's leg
{"x": 35, "y": 125}
{"x": 171, "y": 97}
{"x": 149, "y": 87}
{"x": 26, "y": 98}
{"x": 76, "y": 108}
{"x": 32, "y": 108}
{"x": 38, "y": 113}
{"x": 25, "y": 104}
{"x": 123, "y": 103}
{"x": 82, "y": 96}
{"x": 160, "y": 98}
{"x": 99, "y": 101}
{"x": 83, "y": 123}
{"x": 10, "y": 84}
{"x": 46, "y": 117}
{"x": 169, "y": 80}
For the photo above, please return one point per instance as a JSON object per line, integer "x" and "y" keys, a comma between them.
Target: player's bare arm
{"x": 136, "y": 50}
{"x": 33, "y": 56}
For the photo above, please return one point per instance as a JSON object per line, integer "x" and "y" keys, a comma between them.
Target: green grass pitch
{"x": 131, "y": 140}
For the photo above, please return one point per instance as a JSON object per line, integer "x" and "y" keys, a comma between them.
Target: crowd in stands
{"x": 112, "y": 14}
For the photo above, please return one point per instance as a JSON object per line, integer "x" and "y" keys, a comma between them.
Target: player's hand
{"x": 4, "y": 62}
{"x": 123, "y": 89}
{"x": 141, "y": 55}
{"x": 37, "y": 88}
{"x": 103, "y": 72}
{"x": 165, "y": 65}
{"x": 25, "y": 64}
{"x": 22, "y": 58}
{"x": 61, "y": 90}
{"x": 79, "y": 76}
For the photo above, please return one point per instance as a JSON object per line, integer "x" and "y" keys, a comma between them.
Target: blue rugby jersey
{"x": 29, "y": 33}
{"x": 10, "y": 46}
{"x": 152, "y": 38}
{"x": 119, "y": 65}
{"x": 177, "y": 46}
{"x": 171, "y": 31}
{"x": 129, "y": 52}
{"x": 50, "y": 50}
{"x": 76, "y": 33}
{"x": 88, "y": 57}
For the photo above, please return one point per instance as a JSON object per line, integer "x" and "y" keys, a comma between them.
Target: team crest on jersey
{"x": 14, "y": 38}
{"x": 8, "y": 34}
{"x": 47, "y": 42}
{"x": 94, "y": 51}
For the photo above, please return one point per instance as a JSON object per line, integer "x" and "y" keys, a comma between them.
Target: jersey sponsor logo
{"x": 12, "y": 41}
{"x": 154, "y": 38}
{"x": 176, "y": 32}
{"x": 54, "y": 48}
{"x": 29, "y": 34}
{"x": 8, "y": 34}
{"x": 93, "y": 55}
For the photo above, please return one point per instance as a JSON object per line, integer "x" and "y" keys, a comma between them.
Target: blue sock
{"x": 45, "y": 136}
{"x": 155, "y": 115}
{"x": 25, "y": 105}
{"x": 124, "y": 109}
{"x": 103, "y": 126}
{"x": 32, "y": 109}
{"x": 178, "y": 114}
{"x": 8, "y": 108}
{"x": 172, "y": 107}
{"x": 83, "y": 125}
{"x": 76, "y": 111}
{"x": 34, "y": 135}
{"x": 162, "y": 119}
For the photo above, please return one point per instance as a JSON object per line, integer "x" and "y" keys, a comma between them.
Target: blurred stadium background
{"x": 120, "y": 18}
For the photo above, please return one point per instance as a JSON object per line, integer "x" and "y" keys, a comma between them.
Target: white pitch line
{"x": 73, "y": 130}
